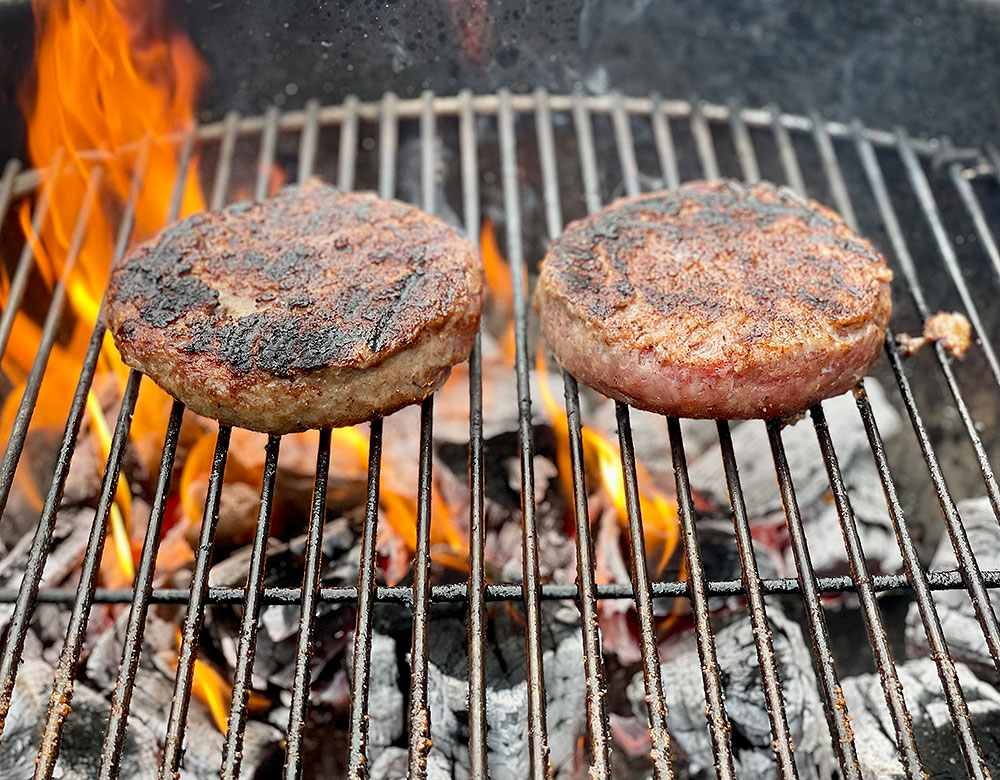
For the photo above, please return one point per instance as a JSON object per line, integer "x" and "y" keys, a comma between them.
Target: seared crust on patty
{"x": 716, "y": 299}
{"x": 313, "y": 309}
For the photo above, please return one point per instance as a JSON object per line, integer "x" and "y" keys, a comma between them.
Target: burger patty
{"x": 313, "y": 309}
{"x": 715, "y": 300}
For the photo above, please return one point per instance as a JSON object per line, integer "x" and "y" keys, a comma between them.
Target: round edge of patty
{"x": 764, "y": 384}
{"x": 637, "y": 378}
{"x": 324, "y": 398}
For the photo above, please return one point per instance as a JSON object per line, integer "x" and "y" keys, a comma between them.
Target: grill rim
{"x": 508, "y": 108}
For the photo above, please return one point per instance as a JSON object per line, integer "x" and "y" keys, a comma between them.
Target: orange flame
{"x": 603, "y": 460}
{"x": 114, "y": 85}
{"x": 499, "y": 286}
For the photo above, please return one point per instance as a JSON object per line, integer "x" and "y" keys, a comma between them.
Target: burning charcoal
{"x": 80, "y": 751}
{"x": 809, "y": 475}
{"x": 875, "y": 736}
{"x": 506, "y": 697}
{"x": 682, "y": 684}
{"x": 958, "y": 618}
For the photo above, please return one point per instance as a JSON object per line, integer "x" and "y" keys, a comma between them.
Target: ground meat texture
{"x": 715, "y": 300}
{"x": 313, "y": 309}
{"x": 952, "y": 329}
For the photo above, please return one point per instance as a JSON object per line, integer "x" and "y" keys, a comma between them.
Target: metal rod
{"x": 468, "y": 146}
{"x": 42, "y": 540}
{"x": 538, "y": 747}
{"x": 782, "y": 742}
{"x": 835, "y": 707}
{"x": 194, "y": 618}
{"x": 265, "y": 161}
{"x": 744, "y": 145}
{"x": 836, "y": 710}
{"x": 891, "y": 686}
{"x": 419, "y": 742}
{"x": 224, "y": 168}
{"x": 664, "y": 141}
{"x": 698, "y": 590}
{"x": 26, "y": 262}
{"x": 975, "y": 210}
{"x": 361, "y": 658}
{"x": 659, "y": 735}
{"x": 459, "y": 592}
{"x": 786, "y": 151}
{"x": 703, "y": 142}
{"x": 936, "y": 642}
{"x": 121, "y": 697}
{"x": 308, "y": 141}
{"x": 346, "y": 163}
{"x": 597, "y": 711}
{"x": 928, "y": 205}
{"x": 53, "y": 318}
{"x": 69, "y": 657}
{"x": 232, "y": 748}
{"x": 365, "y": 596}
{"x": 307, "y": 618}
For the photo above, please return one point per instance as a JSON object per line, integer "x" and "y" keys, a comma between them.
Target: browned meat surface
{"x": 952, "y": 329}
{"x": 313, "y": 309}
{"x": 717, "y": 299}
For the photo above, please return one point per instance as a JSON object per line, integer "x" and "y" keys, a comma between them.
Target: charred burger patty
{"x": 313, "y": 309}
{"x": 715, "y": 300}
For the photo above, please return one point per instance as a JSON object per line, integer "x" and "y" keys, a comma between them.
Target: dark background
{"x": 931, "y": 65}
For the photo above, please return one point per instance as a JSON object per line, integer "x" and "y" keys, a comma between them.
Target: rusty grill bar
{"x": 517, "y": 120}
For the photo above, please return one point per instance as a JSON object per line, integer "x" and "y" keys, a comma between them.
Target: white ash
{"x": 392, "y": 763}
{"x": 385, "y": 696}
{"x": 751, "y": 731}
{"x": 83, "y": 734}
{"x": 932, "y": 725}
{"x": 506, "y": 697}
{"x": 958, "y": 617}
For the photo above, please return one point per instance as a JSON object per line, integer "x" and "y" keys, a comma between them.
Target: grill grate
{"x": 509, "y": 115}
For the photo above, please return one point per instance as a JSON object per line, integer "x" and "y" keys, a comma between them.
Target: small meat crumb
{"x": 950, "y": 328}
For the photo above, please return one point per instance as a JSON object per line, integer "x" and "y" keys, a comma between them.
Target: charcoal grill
{"x": 618, "y": 139}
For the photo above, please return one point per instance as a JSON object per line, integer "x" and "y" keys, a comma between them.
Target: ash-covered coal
{"x": 812, "y": 488}
{"x": 932, "y": 725}
{"x": 507, "y": 695}
{"x": 966, "y": 640}
{"x": 741, "y": 680}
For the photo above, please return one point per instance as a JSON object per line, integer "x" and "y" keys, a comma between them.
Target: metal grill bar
{"x": 69, "y": 657}
{"x": 835, "y": 710}
{"x": 702, "y": 118}
{"x": 782, "y": 742}
{"x": 477, "y": 530}
{"x": 922, "y": 188}
{"x": 419, "y": 743}
{"x": 597, "y": 713}
{"x": 121, "y": 697}
{"x": 195, "y": 616}
{"x": 957, "y": 704}
{"x": 538, "y": 749}
{"x": 19, "y": 280}
{"x": 715, "y": 711}
{"x": 26, "y": 408}
{"x": 232, "y": 748}
{"x": 459, "y": 592}
{"x": 891, "y": 686}
{"x": 975, "y": 210}
{"x": 966, "y": 559}
{"x": 361, "y": 658}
